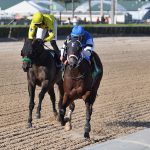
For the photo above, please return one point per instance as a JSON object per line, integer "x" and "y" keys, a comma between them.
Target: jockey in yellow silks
{"x": 44, "y": 26}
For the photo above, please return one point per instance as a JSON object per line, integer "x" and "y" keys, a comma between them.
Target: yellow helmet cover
{"x": 37, "y": 18}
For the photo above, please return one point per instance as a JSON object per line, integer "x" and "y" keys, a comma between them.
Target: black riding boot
{"x": 57, "y": 52}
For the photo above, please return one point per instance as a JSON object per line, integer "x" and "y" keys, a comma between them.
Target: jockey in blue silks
{"x": 86, "y": 40}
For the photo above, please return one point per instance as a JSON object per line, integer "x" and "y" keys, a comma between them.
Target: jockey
{"x": 86, "y": 40}
{"x": 45, "y": 28}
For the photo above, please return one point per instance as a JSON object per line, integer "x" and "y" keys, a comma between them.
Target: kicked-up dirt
{"x": 122, "y": 105}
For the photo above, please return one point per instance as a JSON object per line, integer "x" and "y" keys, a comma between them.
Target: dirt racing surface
{"x": 122, "y": 105}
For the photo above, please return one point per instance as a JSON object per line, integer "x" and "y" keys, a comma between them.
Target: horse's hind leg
{"x": 41, "y": 96}
{"x": 68, "y": 125}
{"x": 53, "y": 99}
{"x": 31, "y": 90}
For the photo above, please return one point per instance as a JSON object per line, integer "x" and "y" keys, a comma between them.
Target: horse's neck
{"x": 75, "y": 72}
{"x": 83, "y": 68}
{"x": 42, "y": 58}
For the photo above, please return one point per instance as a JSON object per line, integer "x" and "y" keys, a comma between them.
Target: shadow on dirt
{"x": 130, "y": 124}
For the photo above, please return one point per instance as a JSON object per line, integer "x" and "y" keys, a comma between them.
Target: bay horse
{"x": 81, "y": 81}
{"x": 42, "y": 71}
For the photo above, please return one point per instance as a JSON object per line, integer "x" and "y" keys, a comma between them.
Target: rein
{"x": 46, "y": 46}
{"x": 79, "y": 77}
{"x": 79, "y": 60}
{"x": 82, "y": 76}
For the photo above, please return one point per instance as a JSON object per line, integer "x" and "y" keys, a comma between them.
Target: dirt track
{"x": 122, "y": 105}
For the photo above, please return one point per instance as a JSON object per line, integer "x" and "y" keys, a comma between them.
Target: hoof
{"x": 66, "y": 119}
{"x": 38, "y": 116}
{"x": 68, "y": 126}
{"x": 29, "y": 125}
{"x": 62, "y": 123}
{"x": 86, "y": 135}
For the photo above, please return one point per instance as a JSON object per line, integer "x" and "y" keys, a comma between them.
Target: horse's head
{"x": 26, "y": 54}
{"x": 74, "y": 49}
{"x": 31, "y": 50}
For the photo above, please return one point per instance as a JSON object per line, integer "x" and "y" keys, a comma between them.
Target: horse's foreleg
{"x": 31, "y": 90}
{"x": 87, "y": 128}
{"x": 62, "y": 109}
{"x": 89, "y": 103}
{"x": 41, "y": 96}
{"x": 68, "y": 125}
{"x": 61, "y": 92}
{"x": 53, "y": 99}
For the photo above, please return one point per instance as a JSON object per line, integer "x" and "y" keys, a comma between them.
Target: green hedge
{"x": 21, "y": 32}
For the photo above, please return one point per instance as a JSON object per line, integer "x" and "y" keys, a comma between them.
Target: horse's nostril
{"x": 72, "y": 62}
{"x": 25, "y": 68}
{"x": 74, "y": 65}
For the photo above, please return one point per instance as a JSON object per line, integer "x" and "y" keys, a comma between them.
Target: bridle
{"x": 79, "y": 60}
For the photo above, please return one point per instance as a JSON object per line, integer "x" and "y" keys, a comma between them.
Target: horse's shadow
{"x": 125, "y": 124}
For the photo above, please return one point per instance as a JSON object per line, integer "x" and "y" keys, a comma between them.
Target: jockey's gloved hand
{"x": 86, "y": 53}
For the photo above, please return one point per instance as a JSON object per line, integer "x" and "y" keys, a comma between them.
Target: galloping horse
{"x": 81, "y": 81}
{"x": 41, "y": 70}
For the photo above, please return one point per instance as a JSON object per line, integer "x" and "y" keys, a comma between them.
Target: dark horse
{"x": 81, "y": 81}
{"x": 41, "y": 70}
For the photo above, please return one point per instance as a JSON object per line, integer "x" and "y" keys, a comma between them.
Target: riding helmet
{"x": 77, "y": 31}
{"x": 37, "y": 18}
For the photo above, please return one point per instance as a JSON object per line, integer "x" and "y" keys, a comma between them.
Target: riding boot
{"x": 57, "y": 52}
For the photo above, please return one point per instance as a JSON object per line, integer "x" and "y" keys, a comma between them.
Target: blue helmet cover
{"x": 77, "y": 31}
